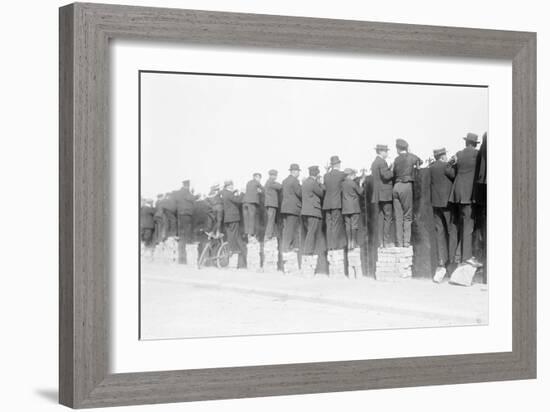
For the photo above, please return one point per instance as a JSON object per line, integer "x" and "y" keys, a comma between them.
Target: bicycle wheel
{"x": 205, "y": 254}
{"x": 222, "y": 258}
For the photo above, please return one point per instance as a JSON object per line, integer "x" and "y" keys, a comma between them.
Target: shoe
{"x": 439, "y": 274}
{"x": 474, "y": 262}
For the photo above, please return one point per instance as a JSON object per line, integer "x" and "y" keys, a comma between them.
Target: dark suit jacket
{"x": 146, "y": 220}
{"x": 404, "y": 167}
{"x": 333, "y": 189}
{"x": 441, "y": 183}
{"x": 292, "y": 196}
{"x": 382, "y": 185}
{"x": 465, "y": 175}
{"x": 252, "y": 193}
{"x": 231, "y": 206}
{"x": 312, "y": 193}
{"x": 169, "y": 203}
{"x": 272, "y": 189}
{"x": 351, "y": 197}
{"x": 185, "y": 201}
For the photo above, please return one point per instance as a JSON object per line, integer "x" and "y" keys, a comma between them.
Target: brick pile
{"x": 192, "y": 252}
{"x": 253, "y": 259}
{"x": 290, "y": 263}
{"x": 233, "y": 261}
{"x": 336, "y": 262}
{"x": 271, "y": 256}
{"x": 166, "y": 251}
{"x": 354, "y": 263}
{"x": 394, "y": 263}
{"x": 309, "y": 263}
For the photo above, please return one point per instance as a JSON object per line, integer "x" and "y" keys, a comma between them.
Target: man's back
{"x": 252, "y": 192}
{"x": 403, "y": 167}
{"x": 333, "y": 186}
{"x": 312, "y": 193}
{"x": 441, "y": 183}
{"x": 465, "y": 174}
{"x": 185, "y": 201}
{"x": 272, "y": 189}
{"x": 292, "y": 193}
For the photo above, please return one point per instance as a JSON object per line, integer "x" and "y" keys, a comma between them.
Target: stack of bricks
{"x": 192, "y": 253}
{"x": 233, "y": 261}
{"x": 166, "y": 251}
{"x": 354, "y": 263}
{"x": 253, "y": 259}
{"x": 290, "y": 263}
{"x": 336, "y": 262}
{"x": 309, "y": 264}
{"x": 271, "y": 256}
{"x": 394, "y": 263}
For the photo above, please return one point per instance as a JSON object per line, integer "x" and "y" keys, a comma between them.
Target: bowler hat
{"x": 334, "y": 160}
{"x": 381, "y": 147}
{"x": 186, "y": 182}
{"x": 257, "y": 174}
{"x": 294, "y": 166}
{"x": 272, "y": 172}
{"x": 401, "y": 144}
{"x": 313, "y": 170}
{"x": 349, "y": 171}
{"x": 471, "y": 137}
{"x": 439, "y": 152}
{"x": 227, "y": 183}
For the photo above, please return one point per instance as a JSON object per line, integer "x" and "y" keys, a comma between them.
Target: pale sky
{"x": 212, "y": 128}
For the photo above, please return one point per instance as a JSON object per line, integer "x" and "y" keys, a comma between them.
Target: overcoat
{"x": 463, "y": 184}
{"x": 252, "y": 192}
{"x": 231, "y": 206}
{"x": 382, "y": 185}
{"x": 312, "y": 195}
{"x": 272, "y": 190}
{"x": 351, "y": 197}
{"x": 333, "y": 189}
{"x": 441, "y": 183}
{"x": 292, "y": 196}
{"x": 185, "y": 201}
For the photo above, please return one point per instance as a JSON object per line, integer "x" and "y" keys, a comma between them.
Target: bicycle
{"x": 215, "y": 250}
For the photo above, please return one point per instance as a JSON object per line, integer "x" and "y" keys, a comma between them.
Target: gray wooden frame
{"x": 85, "y": 31}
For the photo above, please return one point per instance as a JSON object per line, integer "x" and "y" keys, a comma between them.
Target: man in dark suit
{"x": 147, "y": 222}
{"x": 441, "y": 183}
{"x": 332, "y": 205}
{"x": 251, "y": 203}
{"x": 216, "y": 203}
{"x": 382, "y": 196}
{"x": 405, "y": 166}
{"x": 312, "y": 214}
{"x": 171, "y": 213}
{"x": 232, "y": 202}
{"x": 272, "y": 190}
{"x": 160, "y": 221}
{"x": 185, "y": 205}
{"x": 291, "y": 207}
{"x": 464, "y": 163}
{"x": 352, "y": 190}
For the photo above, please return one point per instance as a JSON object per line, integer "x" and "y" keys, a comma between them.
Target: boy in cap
{"x": 405, "y": 166}
{"x": 272, "y": 189}
{"x": 251, "y": 203}
{"x": 382, "y": 196}
{"x": 332, "y": 205}
{"x": 312, "y": 214}
{"x": 441, "y": 183}
{"x": 231, "y": 221}
{"x": 464, "y": 163}
{"x": 290, "y": 208}
{"x": 352, "y": 190}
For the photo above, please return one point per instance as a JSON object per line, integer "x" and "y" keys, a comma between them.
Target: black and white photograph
{"x": 282, "y": 205}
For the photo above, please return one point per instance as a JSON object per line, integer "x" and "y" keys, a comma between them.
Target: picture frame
{"x": 85, "y": 32}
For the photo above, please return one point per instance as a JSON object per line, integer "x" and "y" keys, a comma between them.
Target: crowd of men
{"x": 326, "y": 212}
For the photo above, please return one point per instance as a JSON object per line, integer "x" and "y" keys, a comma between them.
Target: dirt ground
{"x": 180, "y": 301}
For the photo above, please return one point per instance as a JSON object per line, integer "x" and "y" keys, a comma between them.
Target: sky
{"x": 212, "y": 128}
